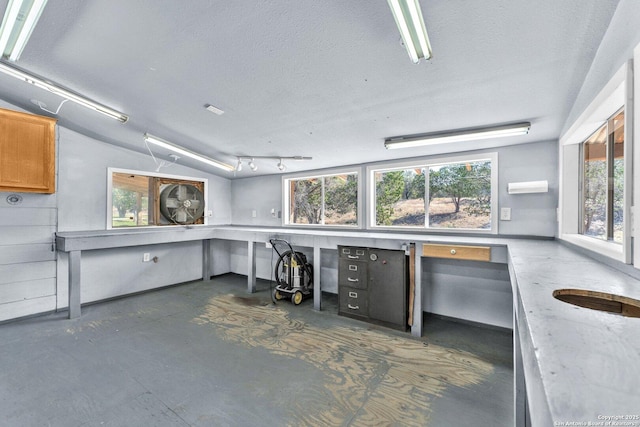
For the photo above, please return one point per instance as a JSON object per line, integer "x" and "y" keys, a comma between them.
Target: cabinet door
{"x": 27, "y": 152}
{"x": 388, "y": 286}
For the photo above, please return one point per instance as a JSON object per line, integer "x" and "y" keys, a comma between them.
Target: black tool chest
{"x": 372, "y": 285}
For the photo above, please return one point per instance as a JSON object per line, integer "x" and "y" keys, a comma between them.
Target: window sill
{"x": 608, "y": 249}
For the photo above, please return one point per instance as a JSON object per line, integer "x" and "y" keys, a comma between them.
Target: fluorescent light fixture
{"x": 214, "y": 110}
{"x": 409, "y": 20}
{"x": 457, "y": 136}
{"x": 65, "y": 93}
{"x": 528, "y": 187}
{"x": 170, "y": 146}
{"x": 20, "y": 18}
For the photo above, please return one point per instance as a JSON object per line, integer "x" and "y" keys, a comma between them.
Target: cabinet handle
{"x": 353, "y": 307}
{"x": 353, "y": 256}
{"x": 453, "y": 251}
{"x": 353, "y": 295}
{"x": 349, "y": 279}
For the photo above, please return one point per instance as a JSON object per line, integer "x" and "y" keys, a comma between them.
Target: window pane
{"x": 305, "y": 197}
{"x": 460, "y": 195}
{"x": 595, "y": 185}
{"x": 618, "y": 176}
{"x": 400, "y": 197}
{"x": 341, "y": 199}
{"x": 130, "y": 200}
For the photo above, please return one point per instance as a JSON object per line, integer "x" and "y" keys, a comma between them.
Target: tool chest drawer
{"x": 353, "y": 253}
{"x": 353, "y": 302}
{"x": 352, "y": 273}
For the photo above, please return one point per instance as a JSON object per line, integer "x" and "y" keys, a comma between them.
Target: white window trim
{"x": 111, "y": 171}
{"x": 434, "y": 161}
{"x": 616, "y": 94}
{"x": 321, "y": 174}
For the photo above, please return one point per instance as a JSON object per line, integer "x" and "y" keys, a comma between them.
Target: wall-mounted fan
{"x": 181, "y": 203}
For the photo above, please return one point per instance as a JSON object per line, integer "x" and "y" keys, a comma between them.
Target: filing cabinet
{"x": 372, "y": 285}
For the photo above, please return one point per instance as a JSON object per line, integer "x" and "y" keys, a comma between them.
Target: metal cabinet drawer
{"x": 353, "y": 301}
{"x": 352, "y": 273}
{"x": 353, "y": 253}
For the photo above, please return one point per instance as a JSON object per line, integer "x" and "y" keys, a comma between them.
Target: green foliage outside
{"x": 595, "y": 198}
{"x": 468, "y": 183}
{"x": 340, "y": 200}
{"x": 389, "y": 190}
{"x": 124, "y": 200}
{"x": 463, "y": 180}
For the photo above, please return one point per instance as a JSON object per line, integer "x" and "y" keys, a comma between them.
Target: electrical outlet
{"x": 273, "y": 212}
{"x": 146, "y": 257}
{"x": 505, "y": 214}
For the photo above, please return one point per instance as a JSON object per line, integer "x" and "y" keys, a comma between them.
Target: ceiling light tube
{"x": 187, "y": 153}
{"x": 65, "y": 93}
{"x": 457, "y": 136}
{"x": 410, "y": 22}
{"x": 20, "y": 18}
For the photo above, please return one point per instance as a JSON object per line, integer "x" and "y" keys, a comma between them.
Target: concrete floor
{"x": 173, "y": 358}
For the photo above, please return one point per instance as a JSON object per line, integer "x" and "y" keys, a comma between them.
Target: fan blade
{"x": 172, "y": 203}
{"x": 195, "y": 204}
{"x": 182, "y": 192}
{"x": 181, "y": 215}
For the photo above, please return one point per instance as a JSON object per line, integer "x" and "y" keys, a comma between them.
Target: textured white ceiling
{"x": 327, "y": 79}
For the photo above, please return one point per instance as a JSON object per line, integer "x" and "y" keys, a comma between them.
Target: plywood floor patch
{"x": 372, "y": 378}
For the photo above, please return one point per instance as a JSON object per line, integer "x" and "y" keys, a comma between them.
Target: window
{"x": 322, "y": 200}
{"x": 596, "y": 176}
{"x": 603, "y": 181}
{"x": 446, "y": 194}
{"x": 142, "y": 199}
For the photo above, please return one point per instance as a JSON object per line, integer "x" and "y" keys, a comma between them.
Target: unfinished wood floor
{"x": 208, "y": 354}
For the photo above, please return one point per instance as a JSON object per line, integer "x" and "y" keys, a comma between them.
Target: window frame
{"x": 426, "y": 163}
{"x": 286, "y": 179}
{"x": 111, "y": 171}
{"x": 615, "y": 96}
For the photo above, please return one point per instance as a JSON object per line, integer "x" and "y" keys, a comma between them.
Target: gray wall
{"x": 82, "y": 205}
{"x": 27, "y": 258}
{"x": 34, "y": 278}
{"x": 532, "y": 214}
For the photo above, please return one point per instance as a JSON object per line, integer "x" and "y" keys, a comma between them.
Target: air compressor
{"x": 293, "y": 273}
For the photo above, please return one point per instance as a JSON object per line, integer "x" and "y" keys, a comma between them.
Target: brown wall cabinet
{"x": 27, "y": 152}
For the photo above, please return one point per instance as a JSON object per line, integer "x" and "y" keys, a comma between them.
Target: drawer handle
{"x": 353, "y": 256}
{"x": 453, "y": 251}
{"x": 353, "y": 295}
{"x": 353, "y": 307}
{"x": 351, "y": 280}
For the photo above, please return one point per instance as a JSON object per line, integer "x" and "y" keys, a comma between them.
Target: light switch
{"x": 505, "y": 214}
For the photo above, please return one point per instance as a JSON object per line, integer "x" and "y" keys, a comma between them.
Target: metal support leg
{"x": 206, "y": 259}
{"x": 416, "y": 328}
{"x": 74, "y": 284}
{"x": 251, "y": 266}
{"x": 317, "y": 289}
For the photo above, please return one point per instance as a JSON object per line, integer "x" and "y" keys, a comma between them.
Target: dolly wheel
{"x": 277, "y": 295}
{"x": 296, "y": 298}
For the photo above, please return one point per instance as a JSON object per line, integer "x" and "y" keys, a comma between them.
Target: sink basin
{"x": 611, "y": 303}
